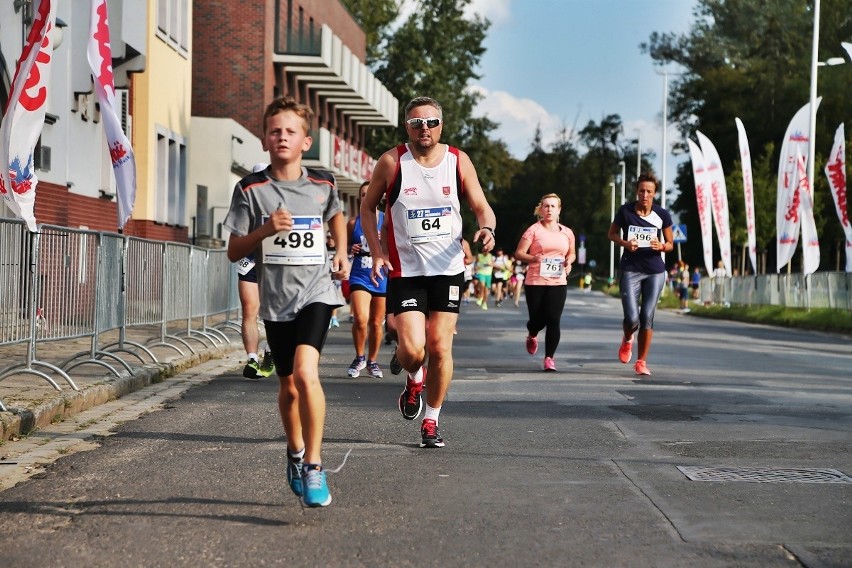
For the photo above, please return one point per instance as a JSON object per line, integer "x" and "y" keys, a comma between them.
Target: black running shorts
{"x": 309, "y": 328}
{"x": 425, "y": 294}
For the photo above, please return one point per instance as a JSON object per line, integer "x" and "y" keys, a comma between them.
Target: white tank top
{"x": 425, "y": 224}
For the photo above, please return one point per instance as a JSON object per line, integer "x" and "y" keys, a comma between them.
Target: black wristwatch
{"x": 490, "y": 230}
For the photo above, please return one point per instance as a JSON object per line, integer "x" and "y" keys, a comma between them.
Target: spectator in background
{"x": 683, "y": 286}
{"x": 719, "y": 277}
{"x": 695, "y": 282}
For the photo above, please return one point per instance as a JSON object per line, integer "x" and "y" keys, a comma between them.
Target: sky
{"x": 566, "y": 62}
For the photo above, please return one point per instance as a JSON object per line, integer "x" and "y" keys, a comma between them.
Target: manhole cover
{"x": 764, "y": 474}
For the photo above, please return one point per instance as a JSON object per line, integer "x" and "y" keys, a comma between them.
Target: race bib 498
{"x": 303, "y": 244}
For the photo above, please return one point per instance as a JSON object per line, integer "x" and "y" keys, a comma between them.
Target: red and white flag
{"x": 24, "y": 115}
{"x": 748, "y": 191}
{"x": 787, "y": 215}
{"x": 702, "y": 197}
{"x": 99, "y": 53}
{"x": 718, "y": 197}
{"x": 810, "y": 239}
{"x": 835, "y": 169}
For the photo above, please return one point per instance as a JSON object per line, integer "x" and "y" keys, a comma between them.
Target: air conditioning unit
{"x": 41, "y": 158}
{"x": 122, "y": 107}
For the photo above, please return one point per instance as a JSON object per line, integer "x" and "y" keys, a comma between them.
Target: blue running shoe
{"x": 314, "y": 487}
{"x": 294, "y": 475}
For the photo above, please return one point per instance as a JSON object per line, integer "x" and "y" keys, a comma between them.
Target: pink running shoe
{"x": 549, "y": 364}
{"x": 625, "y": 352}
{"x": 641, "y": 368}
{"x": 532, "y": 345}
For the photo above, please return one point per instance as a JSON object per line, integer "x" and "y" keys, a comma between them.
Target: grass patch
{"x": 816, "y": 319}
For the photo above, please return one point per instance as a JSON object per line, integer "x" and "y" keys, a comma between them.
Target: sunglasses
{"x": 417, "y": 123}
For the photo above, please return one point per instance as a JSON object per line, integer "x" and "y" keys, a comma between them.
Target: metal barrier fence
{"x": 818, "y": 290}
{"x": 61, "y": 284}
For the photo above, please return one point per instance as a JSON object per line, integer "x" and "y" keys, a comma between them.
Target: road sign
{"x": 679, "y": 233}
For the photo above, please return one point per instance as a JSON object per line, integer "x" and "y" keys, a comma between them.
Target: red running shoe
{"x": 410, "y": 401}
{"x": 625, "y": 352}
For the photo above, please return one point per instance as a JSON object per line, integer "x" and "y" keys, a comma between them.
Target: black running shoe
{"x": 267, "y": 365}
{"x": 430, "y": 436}
{"x": 395, "y": 365}
{"x": 252, "y": 370}
{"x": 410, "y": 401}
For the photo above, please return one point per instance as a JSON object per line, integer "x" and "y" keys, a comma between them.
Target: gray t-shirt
{"x": 292, "y": 268}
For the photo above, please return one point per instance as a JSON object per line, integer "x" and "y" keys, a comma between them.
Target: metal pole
{"x": 665, "y": 141}
{"x": 623, "y": 176}
{"x": 612, "y": 244}
{"x": 638, "y": 153}
{"x": 812, "y": 128}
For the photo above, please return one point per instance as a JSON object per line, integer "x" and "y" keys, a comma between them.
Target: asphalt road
{"x": 576, "y": 468}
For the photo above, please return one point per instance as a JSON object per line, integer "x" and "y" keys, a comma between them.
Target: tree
{"x": 751, "y": 59}
{"x": 374, "y": 17}
{"x": 435, "y": 53}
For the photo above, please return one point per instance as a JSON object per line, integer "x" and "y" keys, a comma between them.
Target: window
{"x": 173, "y": 23}
{"x": 171, "y": 178}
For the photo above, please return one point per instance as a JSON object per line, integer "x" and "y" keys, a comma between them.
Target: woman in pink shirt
{"x": 548, "y": 247}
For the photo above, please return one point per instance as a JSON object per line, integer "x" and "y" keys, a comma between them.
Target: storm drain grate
{"x": 764, "y": 474}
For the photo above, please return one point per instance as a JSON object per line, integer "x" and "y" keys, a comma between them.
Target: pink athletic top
{"x": 555, "y": 246}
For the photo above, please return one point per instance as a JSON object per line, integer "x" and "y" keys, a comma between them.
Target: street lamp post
{"x": 623, "y": 175}
{"x": 638, "y": 153}
{"x": 816, "y": 64}
{"x": 665, "y": 75}
{"x": 812, "y": 127}
{"x": 611, "y": 243}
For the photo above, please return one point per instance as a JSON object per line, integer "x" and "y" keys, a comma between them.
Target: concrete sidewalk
{"x": 33, "y": 403}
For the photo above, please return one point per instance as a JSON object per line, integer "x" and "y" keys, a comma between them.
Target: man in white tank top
{"x": 423, "y": 182}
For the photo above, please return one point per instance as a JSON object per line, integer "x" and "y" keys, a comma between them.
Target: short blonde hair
{"x": 288, "y": 103}
{"x": 537, "y": 211}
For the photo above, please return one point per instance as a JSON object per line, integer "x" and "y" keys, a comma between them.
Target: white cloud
{"x": 496, "y": 11}
{"x": 517, "y": 119}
